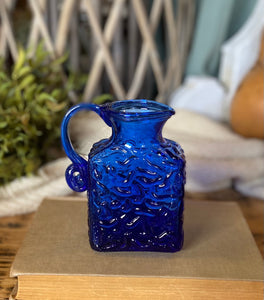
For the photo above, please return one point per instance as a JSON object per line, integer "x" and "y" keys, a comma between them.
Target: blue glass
{"x": 135, "y": 179}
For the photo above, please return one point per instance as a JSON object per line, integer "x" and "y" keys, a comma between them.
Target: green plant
{"x": 34, "y": 97}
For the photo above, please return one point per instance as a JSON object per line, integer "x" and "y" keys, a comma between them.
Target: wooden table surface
{"x": 13, "y": 230}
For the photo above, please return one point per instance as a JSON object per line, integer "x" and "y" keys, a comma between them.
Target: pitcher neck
{"x": 138, "y": 132}
{"x": 139, "y": 120}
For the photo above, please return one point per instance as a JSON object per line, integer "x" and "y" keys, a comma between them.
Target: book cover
{"x": 219, "y": 257}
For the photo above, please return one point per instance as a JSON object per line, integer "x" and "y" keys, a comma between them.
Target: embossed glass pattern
{"x": 135, "y": 179}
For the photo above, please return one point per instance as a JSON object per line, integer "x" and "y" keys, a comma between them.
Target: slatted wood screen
{"x": 135, "y": 48}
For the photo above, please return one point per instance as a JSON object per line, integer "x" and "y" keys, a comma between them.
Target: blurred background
{"x": 202, "y": 57}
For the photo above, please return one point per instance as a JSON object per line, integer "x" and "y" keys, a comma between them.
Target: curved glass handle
{"x": 76, "y": 174}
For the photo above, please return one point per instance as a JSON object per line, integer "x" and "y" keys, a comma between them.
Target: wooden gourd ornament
{"x": 247, "y": 108}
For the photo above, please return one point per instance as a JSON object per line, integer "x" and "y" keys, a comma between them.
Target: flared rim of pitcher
{"x": 139, "y": 107}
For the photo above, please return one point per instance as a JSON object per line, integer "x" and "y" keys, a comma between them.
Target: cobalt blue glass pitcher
{"x": 134, "y": 179}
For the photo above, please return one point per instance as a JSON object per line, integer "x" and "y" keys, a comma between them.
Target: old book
{"x": 219, "y": 259}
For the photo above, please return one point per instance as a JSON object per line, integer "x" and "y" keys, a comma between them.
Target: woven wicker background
{"x": 130, "y": 48}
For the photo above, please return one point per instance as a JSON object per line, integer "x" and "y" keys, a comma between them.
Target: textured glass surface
{"x": 135, "y": 179}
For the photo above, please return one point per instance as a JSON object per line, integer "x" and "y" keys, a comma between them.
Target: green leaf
{"x": 56, "y": 93}
{"x": 29, "y": 92}
{"x": 3, "y": 124}
{"x": 56, "y": 107}
{"x": 29, "y": 79}
{"x": 5, "y": 86}
{"x": 19, "y": 138}
{"x": 23, "y": 71}
{"x": 18, "y": 97}
{"x": 3, "y": 76}
{"x": 46, "y": 96}
{"x": 60, "y": 60}
{"x": 20, "y": 60}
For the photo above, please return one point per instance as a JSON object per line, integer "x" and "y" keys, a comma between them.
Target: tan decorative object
{"x": 239, "y": 55}
{"x": 247, "y": 109}
{"x": 122, "y": 50}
